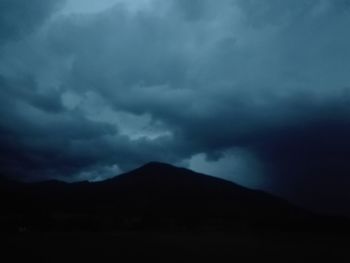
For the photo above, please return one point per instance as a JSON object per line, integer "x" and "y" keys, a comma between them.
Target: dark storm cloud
{"x": 25, "y": 88}
{"x": 88, "y": 92}
{"x": 310, "y": 161}
{"x": 20, "y": 17}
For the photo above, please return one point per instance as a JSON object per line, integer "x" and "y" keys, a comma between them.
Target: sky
{"x": 253, "y": 91}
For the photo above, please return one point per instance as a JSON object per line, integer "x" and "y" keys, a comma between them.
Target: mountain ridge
{"x": 153, "y": 196}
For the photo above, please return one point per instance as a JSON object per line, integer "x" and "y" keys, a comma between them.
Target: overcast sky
{"x": 254, "y": 91}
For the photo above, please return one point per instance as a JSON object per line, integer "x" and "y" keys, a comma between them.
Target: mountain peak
{"x": 158, "y": 194}
{"x": 157, "y": 165}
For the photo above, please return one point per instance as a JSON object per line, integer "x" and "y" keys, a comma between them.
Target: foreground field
{"x": 173, "y": 247}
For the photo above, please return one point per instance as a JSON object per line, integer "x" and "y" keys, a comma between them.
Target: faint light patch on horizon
{"x": 238, "y": 166}
{"x": 97, "y": 175}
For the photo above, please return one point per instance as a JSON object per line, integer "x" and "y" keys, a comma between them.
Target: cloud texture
{"x": 260, "y": 83}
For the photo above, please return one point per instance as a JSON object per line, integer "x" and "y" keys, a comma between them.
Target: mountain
{"x": 154, "y": 196}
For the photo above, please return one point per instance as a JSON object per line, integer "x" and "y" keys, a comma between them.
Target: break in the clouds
{"x": 255, "y": 91}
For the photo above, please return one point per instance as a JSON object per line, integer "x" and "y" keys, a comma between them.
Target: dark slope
{"x": 155, "y": 196}
{"x": 162, "y": 188}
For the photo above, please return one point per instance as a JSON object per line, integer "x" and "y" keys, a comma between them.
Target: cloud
{"x": 176, "y": 81}
{"x": 237, "y": 165}
{"x": 20, "y": 17}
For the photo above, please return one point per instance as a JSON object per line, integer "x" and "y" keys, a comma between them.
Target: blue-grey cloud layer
{"x": 81, "y": 93}
{"x": 21, "y": 17}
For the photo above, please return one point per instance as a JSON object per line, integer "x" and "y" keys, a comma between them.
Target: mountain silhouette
{"x": 154, "y": 196}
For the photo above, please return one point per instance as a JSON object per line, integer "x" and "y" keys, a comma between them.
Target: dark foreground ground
{"x": 174, "y": 247}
